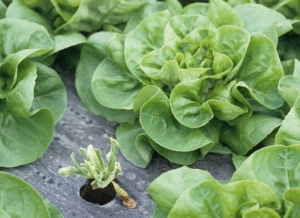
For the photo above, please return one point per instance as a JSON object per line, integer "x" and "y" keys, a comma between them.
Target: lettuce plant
{"x": 259, "y": 188}
{"x": 201, "y": 74}
{"x": 95, "y": 169}
{"x": 32, "y": 96}
{"x": 27, "y": 202}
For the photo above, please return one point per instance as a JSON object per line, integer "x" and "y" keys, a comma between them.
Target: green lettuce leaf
{"x": 49, "y": 92}
{"x": 167, "y": 188}
{"x": 211, "y": 199}
{"x": 263, "y": 165}
{"x": 27, "y": 201}
{"x": 91, "y": 56}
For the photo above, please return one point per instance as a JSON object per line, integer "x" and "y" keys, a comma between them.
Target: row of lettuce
{"x": 181, "y": 81}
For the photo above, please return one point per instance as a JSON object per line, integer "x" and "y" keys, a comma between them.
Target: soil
{"x": 97, "y": 196}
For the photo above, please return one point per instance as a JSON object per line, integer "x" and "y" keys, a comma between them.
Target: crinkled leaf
{"x": 49, "y": 92}
{"x": 248, "y": 133}
{"x": 168, "y": 187}
{"x": 139, "y": 42}
{"x": 211, "y": 199}
{"x": 194, "y": 103}
{"x": 9, "y": 72}
{"x": 27, "y": 202}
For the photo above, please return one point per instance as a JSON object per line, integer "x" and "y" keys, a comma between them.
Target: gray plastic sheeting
{"x": 79, "y": 128}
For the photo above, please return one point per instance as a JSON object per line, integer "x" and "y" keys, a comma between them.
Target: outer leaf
{"x": 19, "y": 100}
{"x": 91, "y": 15}
{"x": 181, "y": 158}
{"x": 113, "y": 87}
{"x": 288, "y": 132}
{"x": 253, "y": 14}
{"x": 127, "y": 135}
{"x": 167, "y": 188}
{"x": 9, "y": 71}
{"x": 263, "y": 166}
{"x": 248, "y": 133}
{"x": 144, "y": 146}
{"x": 49, "y": 92}
{"x": 53, "y": 211}
{"x": 17, "y": 35}
{"x": 213, "y": 200}
{"x": 289, "y": 88}
{"x": 92, "y": 54}
{"x": 27, "y": 202}
{"x": 18, "y": 9}
{"x": 63, "y": 41}
{"x": 17, "y": 143}
{"x": 159, "y": 213}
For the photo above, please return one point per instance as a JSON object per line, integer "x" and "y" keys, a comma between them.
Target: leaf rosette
{"x": 200, "y": 74}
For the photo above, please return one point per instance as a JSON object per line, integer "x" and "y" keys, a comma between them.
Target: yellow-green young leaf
{"x": 94, "y": 156}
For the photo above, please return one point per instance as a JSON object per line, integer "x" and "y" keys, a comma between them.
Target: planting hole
{"x": 97, "y": 196}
